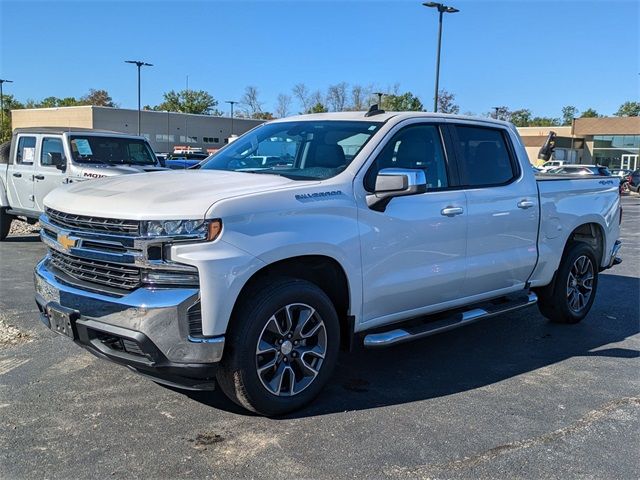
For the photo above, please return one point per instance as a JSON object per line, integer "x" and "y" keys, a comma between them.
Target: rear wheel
{"x": 281, "y": 348}
{"x": 5, "y": 223}
{"x": 570, "y": 297}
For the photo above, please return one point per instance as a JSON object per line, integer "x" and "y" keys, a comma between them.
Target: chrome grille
{"x": 93, "y": 224}
{"x": 103, "y": 273}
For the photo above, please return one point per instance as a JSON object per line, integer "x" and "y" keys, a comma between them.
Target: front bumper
{"x": 145, "y": 330}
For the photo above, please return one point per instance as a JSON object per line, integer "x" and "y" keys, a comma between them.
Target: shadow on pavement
{"x": 471, "y": 357}
{"x": 22, "y": 238}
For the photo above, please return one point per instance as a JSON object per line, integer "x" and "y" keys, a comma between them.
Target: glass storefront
{"x": 617, "y": 151}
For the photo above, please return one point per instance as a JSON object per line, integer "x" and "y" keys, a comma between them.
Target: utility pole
{"x": 442, "y": 9}
{"x": 380, "y": 95}
{"x": 139, "y": 64}
{"x": 2, "y": 81}
{"x": 232, "y": 103}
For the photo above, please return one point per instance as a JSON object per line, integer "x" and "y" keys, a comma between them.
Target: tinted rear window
{"x": 485, "y": 156}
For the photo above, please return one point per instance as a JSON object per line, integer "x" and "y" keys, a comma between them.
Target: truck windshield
{"x": 306, "y": 150}
{"x": 111, "y": 150}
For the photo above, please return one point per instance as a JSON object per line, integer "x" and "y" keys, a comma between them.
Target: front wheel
{"x": 570, "y": 297}
{"x": 5, "y": 223}
{"x": 281, "y": 348}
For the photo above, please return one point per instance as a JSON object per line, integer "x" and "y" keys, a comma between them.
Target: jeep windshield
{"x": 306, "y": 150}
{"x": 111, "y": 150}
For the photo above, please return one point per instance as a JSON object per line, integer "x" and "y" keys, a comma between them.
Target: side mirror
{"x": 58, "y": 161}
{"x": 396, "y": 182}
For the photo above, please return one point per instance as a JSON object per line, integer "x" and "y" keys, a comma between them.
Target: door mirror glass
{"x": 396, "y": 182}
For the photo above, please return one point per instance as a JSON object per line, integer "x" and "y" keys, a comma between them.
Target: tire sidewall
{"x": 240, "y": 360}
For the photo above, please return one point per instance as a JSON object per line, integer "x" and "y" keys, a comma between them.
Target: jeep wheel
{"x": 569, "y": 298}
{"x": 5, "y": 224}
{"x": 281, "y": 347}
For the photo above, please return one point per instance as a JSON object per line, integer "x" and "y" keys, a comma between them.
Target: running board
{"x": 414, "y": 332}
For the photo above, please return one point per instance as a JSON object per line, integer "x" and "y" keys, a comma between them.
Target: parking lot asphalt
{"x": 512, "y": 397}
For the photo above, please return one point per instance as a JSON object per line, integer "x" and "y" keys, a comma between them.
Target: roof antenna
{"x": 373, "y": 110}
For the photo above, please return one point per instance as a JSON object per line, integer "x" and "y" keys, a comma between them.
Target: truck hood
{"x": 101, "y": 171}
{"x": 167, "y": 195}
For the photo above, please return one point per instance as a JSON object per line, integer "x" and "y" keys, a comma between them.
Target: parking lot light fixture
{"x": 442, "y": 9}
{"x": 2, "y": 81}
{"x": 139, "y": 64}
{"x": 232, "y": 103}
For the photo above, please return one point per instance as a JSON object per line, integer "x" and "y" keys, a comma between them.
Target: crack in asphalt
{"x": 581, "y": 424}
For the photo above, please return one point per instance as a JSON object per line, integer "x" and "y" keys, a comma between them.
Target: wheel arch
{"x": 324, "y": 271}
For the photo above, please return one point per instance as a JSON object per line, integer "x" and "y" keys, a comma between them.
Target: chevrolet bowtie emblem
{"x": 66, "y": 242}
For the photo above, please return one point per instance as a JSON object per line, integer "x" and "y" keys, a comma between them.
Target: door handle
{"x": 451, "y": 211}
{"x": 39, "y": 177}
{"x": 17, "y": 175}
{"x": 524, "y": 204}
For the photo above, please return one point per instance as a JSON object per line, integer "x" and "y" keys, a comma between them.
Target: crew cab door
{"x": 502, "y": 210}
{"x": 413, "y": 252}
{"x": 47, "y": 176}
{"x": 20, "y": 173}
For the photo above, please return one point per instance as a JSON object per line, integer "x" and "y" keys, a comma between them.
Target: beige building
{"x": 610, "y": 141}
{"x": 164, "y": 130}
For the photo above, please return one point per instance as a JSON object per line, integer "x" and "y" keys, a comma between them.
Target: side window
{"x": 51, "y": 149}
{"x": 485, "y": 156}
{"x": 413, "y": 147}
{"x": 26, "y": 150}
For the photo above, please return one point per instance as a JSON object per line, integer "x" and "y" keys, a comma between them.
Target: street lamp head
{"x": 442, "y": 8}
{"x": 139, "y": 63}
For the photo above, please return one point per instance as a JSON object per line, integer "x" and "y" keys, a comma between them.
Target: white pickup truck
{"x": 40, "y": 159}
{"x": 309, "y": 234}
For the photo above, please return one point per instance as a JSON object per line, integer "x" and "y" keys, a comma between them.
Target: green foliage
{"x": 318, "y": 108}
{"x": 544, "y": 122}
{"x": 406, "y": 102}
{"x": 189, "y": 101}
{"x": 9, "y": 103}
{"x": 568, "y": 114}
{"x": 99, "y": 98}
{"x": 590, "y": 113}
{"x": 520, "y": 118}
{"x": 628, "y": 109}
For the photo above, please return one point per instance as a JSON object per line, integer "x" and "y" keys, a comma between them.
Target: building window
{"x": 616, "y": 151}
{"x": 216, "y": 140}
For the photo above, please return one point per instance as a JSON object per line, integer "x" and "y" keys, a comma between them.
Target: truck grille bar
{"x": 93, "y": 271}
{"x": 94, "y": 224}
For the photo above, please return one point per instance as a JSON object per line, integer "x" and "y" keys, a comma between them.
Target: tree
{"x": 500, "y": 113}
{"x": 99, "y": 98}
{"x": 628, "y": 109}
{"x": 251, "y": 101}
{"x": 590, "y": 113}
{"x": 359, "y": 96}
{"x": 337, "y": 97}
{"x": 284, "y": 103}
{"x": 520, "y": 118}
{"x": 301, "y": 93}
{"x": 9, "y": 103}
{"x": 263, "y": 116}
{"x": 189, "y": 101}
{"x": 446, "y": 102}
{"x": 544, "y": 122}
{"x": 407, "y": 102}
{"x": 568, "y": 114}
{"x": 318, "y": 107}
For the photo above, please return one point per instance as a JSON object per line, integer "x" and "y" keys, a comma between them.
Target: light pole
{"x": 442, "y": 9}
{"x": 2, "y": 81}
{"x": 497, "y": 109}
{"x": 139, "y": 64}
{"x": 232, "y": 103}
{"x": 379, "y": 94}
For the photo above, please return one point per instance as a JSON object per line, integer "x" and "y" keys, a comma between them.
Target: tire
{"x": 5, "y": 224}
{"x": 570, "y": 297}
{"x": 279, "y": 378}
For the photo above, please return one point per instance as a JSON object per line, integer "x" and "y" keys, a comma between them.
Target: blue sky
{"x": 539, "y": 55}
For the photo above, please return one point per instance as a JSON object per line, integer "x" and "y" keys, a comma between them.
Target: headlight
{"x": 197, "y": 229}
